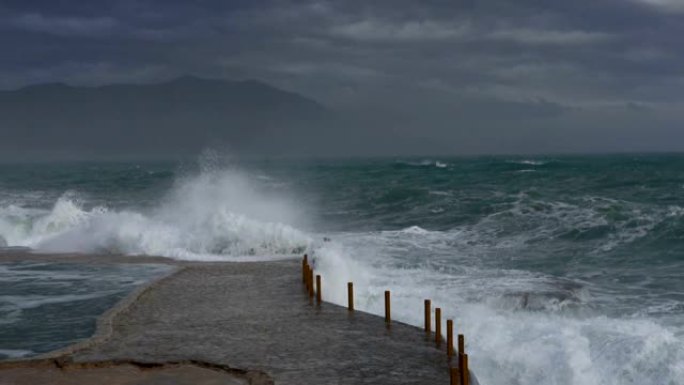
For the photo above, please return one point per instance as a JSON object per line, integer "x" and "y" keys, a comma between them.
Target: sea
{"x": 557, "y": 269}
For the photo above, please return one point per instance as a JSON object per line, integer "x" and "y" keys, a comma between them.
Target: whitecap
{"x": 415, "y": 230}
{"x": 529, "y": 162}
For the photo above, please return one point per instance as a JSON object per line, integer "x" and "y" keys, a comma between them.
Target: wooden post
{"x": 438, "y": 327}
{"x": 350, "y": 296}
{"x": 318, "y": 289}
{"x": 453, "y": 376}
{"x": 462, "y": 364}
{"x": 428, "y": 321}
{"x": 466, "y": 371}
{"x": 450, "y": 338}
{"x": 311, "y": 288}
{"x": 306, "y": 276}
{"x": 388, "y": 319}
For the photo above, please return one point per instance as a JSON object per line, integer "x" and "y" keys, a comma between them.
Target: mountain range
{"x": 180, "y": 116}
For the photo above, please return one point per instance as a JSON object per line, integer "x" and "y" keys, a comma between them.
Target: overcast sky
{"x": 463, "y": 76}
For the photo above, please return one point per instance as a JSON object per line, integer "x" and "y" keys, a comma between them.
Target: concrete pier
{"x": 251, "y": 323}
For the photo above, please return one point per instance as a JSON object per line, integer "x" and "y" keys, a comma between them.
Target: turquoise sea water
{"x": 559, "y": 270}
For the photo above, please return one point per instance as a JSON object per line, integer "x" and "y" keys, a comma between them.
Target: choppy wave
{"x": 594, "y": 224}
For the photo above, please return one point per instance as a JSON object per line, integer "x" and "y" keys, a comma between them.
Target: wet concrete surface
{"x": 258, "y": 318}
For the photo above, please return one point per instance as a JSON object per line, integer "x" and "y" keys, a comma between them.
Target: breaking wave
{"x": 210, "y": 216}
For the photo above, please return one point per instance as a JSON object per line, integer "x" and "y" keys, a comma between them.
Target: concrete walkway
{"x": 257, "y": 317}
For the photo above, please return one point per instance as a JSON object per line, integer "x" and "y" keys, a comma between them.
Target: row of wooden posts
{"x": 458, "y": 375}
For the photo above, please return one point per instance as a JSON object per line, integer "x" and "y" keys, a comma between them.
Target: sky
{"x": 458, "y": 76}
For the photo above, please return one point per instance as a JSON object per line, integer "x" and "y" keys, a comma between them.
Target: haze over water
{"x": 559, "y": 270}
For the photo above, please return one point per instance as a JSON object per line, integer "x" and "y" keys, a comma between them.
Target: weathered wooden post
{"x": 388, "y": 318}
{"x": 350, "y": 296}
{"x": 466, "y": 371}
{"x": 463, "y": 370}
{"x": 450, "y": 338}
{"x": 318, "y": 289}
{"x": 438, "y": 327}
{"x": 428, "y": 321}
{"x": 453, "y": 376}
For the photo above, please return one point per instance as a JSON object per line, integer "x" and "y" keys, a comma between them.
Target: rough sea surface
{"x": 559, "y": 270}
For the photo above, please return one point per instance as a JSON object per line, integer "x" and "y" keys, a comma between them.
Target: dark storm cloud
{"x": 523, "y": 67}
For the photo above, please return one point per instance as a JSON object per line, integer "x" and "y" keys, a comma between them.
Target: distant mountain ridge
{"x": 182, "y": 115}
